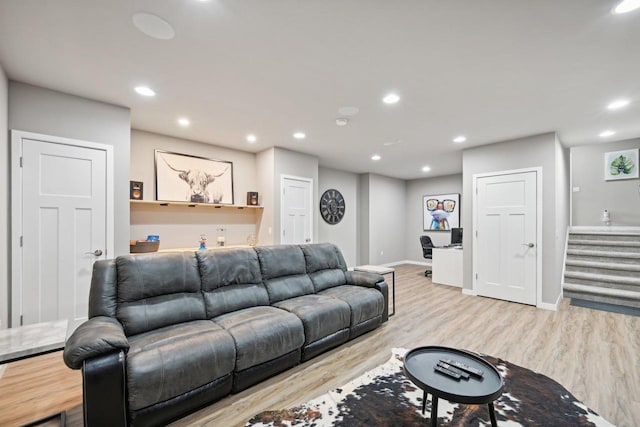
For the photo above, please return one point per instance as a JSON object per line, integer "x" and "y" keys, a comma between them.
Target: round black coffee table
{"x": 419, "y": 366}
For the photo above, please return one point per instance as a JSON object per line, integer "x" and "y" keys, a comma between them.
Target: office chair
{"x": 427, "y": 250}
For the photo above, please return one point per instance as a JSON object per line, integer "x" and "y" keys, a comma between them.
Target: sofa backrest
{"x": 156, "y": 290}
{"x": 284, "y": 272}
{"x": 325, "y": 265}
{"x": 231, "y": 280}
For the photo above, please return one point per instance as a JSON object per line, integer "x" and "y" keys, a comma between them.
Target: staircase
{"x": 603, "y": 266}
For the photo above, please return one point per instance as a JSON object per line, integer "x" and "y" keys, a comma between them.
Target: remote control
{"x": 473, "y": 371}
{"x": 447, "y": 372}
{"x": 452, "y": 368}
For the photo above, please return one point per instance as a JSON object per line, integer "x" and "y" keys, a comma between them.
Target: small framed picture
{"x": 184, "y": 178}
{"x": 621, "y": 164}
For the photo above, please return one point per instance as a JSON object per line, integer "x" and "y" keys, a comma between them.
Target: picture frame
{"x": 193, "y": 179}
{"x": 621, "y": 164}
{"x": 441, "y": 212}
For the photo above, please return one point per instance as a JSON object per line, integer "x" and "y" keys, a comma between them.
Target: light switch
{"x": 576, "y": 189}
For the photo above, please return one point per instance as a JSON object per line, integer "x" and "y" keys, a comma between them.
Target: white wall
{"x": 562, "y": 204}
{"x": 181, "y": 227}
{"x": 534, "y": 151}
{"x": 35, "y": 109}
{"x": 4, "y": 200}
{"x": 265, "y": 174}
{"x": 344, "y": 234}
{"x": 387, "y": 205}
{"x": 414, "y": 214}
{"x": 621, "y": 198}
{"x": 292, "y": 163}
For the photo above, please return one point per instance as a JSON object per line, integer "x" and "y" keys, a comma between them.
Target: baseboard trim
{"x": 406, "y": 261}
{"x": 471, "y": 292}
{"x": 550, "y": 306}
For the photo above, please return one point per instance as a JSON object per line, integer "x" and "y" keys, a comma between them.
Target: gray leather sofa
{"x": 169, "y": 333}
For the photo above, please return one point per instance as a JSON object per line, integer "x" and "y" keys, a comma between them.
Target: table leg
{"x": 434, "y": 410}
{"x": 492, "y": 415}
{"x": 424, "y": 401}
{"x": 393, "y": 285}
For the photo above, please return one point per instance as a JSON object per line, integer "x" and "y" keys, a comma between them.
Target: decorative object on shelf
{"x": 135, "y": 190}
{"x": 252, "y": 240}
{"x": 252, "y": 198}
{"x": 441, "y": 212}
{"x": 606, "y": 218}
{"x": 221, "y": 236}
{"x": 185, "y": 178}
{"x": 203, "y": 242}
{"x": 332, "y": 206}
{"x": 621, "y": 164}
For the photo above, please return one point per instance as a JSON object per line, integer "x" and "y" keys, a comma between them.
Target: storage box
{"x": 143, "y": 247}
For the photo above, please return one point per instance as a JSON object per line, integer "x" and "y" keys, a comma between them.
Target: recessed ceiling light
{"x": 375, "y": 157}
{"x": 251, "y": 138}
{"x": 144, "y": 91}
{"x": 153, "y": 26}
{"x": 426, "y": 169}
{"x": 184, "y": 122}
{"x": 626, "y": 6}
{"x": 391, "y": 98}
{"x": 618, "y": 103}
{"x": 607, "y": 133}
{"x": 341, "y": 121}
{"x": 459, "y": 139}
{"x": 299, "y": 135}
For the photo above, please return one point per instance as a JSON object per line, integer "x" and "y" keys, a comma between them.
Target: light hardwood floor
{"x": 594, "y": 354}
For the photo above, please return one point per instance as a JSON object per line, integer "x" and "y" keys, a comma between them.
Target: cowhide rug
{"x": 385, "y": 397}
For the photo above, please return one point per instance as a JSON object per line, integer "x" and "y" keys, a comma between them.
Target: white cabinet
{"x": 446, "y": 266}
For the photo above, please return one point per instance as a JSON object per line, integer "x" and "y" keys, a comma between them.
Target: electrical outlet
{"x": 381, "y": 252}
{"x": 576, "y": 189}
{"x": 269, "y": 230}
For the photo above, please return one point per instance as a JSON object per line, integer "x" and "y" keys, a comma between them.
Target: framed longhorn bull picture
{"x": 185, "y": 178}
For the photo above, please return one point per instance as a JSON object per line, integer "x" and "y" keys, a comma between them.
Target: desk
{"x": 382, "y": 271}
{"x": 446, "y": 266}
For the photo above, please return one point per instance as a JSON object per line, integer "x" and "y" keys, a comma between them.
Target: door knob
{"x": 530, "y": 245}
{"x": 97, "y": 252}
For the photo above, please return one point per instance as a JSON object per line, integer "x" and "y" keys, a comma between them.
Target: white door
{"x": 506, "y": 241}
{"x": 63, "y": 229}
{"x": 297, "y": 221}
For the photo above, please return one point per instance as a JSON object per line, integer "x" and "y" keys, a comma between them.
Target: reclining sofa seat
{"x": 169, "y": 333}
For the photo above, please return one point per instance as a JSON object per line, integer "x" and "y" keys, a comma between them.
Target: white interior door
{"x": 297, "y": 220}
{"x": 506, "y": 241}
{"x": 63, "y": 229}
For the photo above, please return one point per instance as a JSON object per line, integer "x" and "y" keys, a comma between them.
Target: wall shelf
{"x": 191, "y": 205}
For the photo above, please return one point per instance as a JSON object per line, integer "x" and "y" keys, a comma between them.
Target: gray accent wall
{"x": 386, "y": 228}
{"x": 39, "y": 110}
{"x": 266, "y": 187}
{"x": 414, "y": 213}
{"x": 621, "y": 198}
{"x": 343, "y": 234}
{"x": 4, "y": 200}
{"x": 363, "y": 220}
{"x": 534, "y": 151}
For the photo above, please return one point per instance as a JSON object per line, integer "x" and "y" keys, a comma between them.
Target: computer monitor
{"x": 456, "y": 236}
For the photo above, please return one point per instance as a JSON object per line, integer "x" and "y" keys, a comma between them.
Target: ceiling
{"x": 491, "y": 70}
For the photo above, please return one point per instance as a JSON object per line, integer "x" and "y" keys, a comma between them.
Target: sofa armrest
{"x": 371, "y": 280}
{"x": 362, "y": 278}
{"x": 97, "y": 336}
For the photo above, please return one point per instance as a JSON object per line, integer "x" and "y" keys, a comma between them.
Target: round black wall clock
{"x": 332, "y": 206}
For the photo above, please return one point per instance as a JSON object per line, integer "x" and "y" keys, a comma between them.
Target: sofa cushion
{"x": 365, "y": 303}
{"x": 321, "y": 315}
{"x": 157, "y": 290}
{"x": 284, "y": 272}
{"x": 167, "y": 362}
{"x": 325, "y": 265}
{"x": 262, "y": 334}
{"x": 231, "y": 280}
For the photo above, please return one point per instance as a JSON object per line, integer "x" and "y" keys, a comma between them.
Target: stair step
{"x": 596, "y": 290}
{"x": 606, "y": 295}
{"x": 603, "y": 278}
{"x": 633, "y": 233}
{"x": 603, "y": 254}
{"x": 623, "y": 243}
{"x": 604, "y": 265}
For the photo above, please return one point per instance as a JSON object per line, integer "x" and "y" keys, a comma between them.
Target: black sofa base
{"x": 365, "y": 326}
{"x": 172, "y": 409}
{"x": 324, "y": 344}
{"x": 245, "y": 379}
